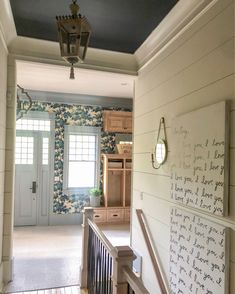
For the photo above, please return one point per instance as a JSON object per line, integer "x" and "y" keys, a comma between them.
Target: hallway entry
{"x": 32, "y": 171}
{"x": 50, "y": 256}
{"x": 45, "y": 257}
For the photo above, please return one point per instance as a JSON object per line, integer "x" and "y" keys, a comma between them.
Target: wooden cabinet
{"x": 116, "y": 188}
{"x": 100, "y": 215}
{"x": 117, "y": 121}
{"x": 115, "y": 215}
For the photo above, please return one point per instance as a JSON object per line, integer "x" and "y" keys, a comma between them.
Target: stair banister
{"x": 163, "y": 283}
{"x": 119, "y": 278}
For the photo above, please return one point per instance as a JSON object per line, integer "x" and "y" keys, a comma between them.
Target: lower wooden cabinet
{"x": 115, "y": 215}
{"x": 100, "y": 216}
{"x": 112, "y": 215}
{"x": 127, "y": 214}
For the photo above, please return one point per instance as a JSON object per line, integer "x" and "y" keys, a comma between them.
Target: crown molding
{"x": 2, "y": 38}
{"x": 181, "y": 16}
{"x": 79, "y": 99}
{"x": 30, "y": 49}
{"x": 7, "y": 25}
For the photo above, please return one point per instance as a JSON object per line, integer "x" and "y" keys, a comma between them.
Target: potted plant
{"x": 95, "y": 195}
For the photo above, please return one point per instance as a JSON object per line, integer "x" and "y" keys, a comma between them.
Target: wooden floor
{"x": 64, "y": 290}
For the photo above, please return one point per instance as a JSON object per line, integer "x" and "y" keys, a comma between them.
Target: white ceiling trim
{"x": 7, "y": 25}
{"x": 180, "y": 17}
{"x": 2, "y": 38}
{"x": 52, "y": 97}
{"x": 104, "y": 73}
{"x": 48, "y": 52}
{"x": 55, "y": 78}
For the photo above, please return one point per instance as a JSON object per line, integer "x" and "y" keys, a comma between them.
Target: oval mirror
{"x": 160, "y": 151}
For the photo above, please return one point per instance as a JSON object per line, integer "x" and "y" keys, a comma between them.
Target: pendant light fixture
{"x": 74, "y": 33}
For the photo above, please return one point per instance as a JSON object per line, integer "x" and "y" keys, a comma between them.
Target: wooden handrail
{"x": 154, "y": 258}
{"x": 135, "y": 282}
{"x": 107, "y": 244}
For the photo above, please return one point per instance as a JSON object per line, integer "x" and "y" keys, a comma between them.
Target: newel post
{"x": 87, "y": 214}
{"x": 122, "y": 256}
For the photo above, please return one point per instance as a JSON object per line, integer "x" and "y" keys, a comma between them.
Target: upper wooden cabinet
{"x": 117, "y": 121}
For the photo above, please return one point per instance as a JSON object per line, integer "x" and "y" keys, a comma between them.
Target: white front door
{"x": 31, "y": 178}
{"x": 26, "y": 179}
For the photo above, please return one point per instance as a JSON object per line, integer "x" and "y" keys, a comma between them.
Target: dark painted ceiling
{"x": 117, "y": 25}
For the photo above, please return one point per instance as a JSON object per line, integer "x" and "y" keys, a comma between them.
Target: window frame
{"x": 83, "y": 131}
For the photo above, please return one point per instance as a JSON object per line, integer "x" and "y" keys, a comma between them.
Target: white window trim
{"x": 80, "y": 130}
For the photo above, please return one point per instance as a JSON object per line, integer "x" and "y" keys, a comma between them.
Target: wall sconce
{"x": 159, "y": 156}
{"x": 21, "y": 108}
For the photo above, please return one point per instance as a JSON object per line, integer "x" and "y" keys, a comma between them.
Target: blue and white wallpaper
{"x": 78, "y": 115}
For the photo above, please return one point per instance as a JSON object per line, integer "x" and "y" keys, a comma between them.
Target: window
{"x": 81, "y": 157}
{"x": 33, "y": 124}
{"x": 24, "y": 150}
{"x": 45, "y": 149}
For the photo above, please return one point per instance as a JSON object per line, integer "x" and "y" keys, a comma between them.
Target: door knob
{"x": 34, "y": 187}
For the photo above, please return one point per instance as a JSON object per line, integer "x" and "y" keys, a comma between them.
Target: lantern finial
{"x": 74, "y": 7}
{"x": 72, "y": 77}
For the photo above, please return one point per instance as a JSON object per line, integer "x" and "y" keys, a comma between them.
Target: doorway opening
{"x": 32, "y": 172}
{"x": 44, "y": 256}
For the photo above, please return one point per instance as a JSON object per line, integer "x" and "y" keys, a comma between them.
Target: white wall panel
{"x": 3, "y": 85}
{"x": 202, "y": 42}
{"x": 195, "y": 70}
{"x": 160, "y": 212}
{"x": 211, "y": 68}
{"x": 143, "y": 164}
{"x": 151, "y": 184}
{"x": 188, "y": 33}
{"x": 221, "y": 90}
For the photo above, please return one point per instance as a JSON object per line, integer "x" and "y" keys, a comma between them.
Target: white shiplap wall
{"x": 3, "y": 86}
{"x": 195, "y": 70}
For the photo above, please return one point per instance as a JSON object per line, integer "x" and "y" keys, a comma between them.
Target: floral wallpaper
{"x": 78, "y": 115}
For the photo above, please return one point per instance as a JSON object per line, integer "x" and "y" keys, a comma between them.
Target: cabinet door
{"x": 100, "y": 216}
{"x": 115, "y": 123}
{"x": 115, "y": 215}
{"x": 128, "y": 125}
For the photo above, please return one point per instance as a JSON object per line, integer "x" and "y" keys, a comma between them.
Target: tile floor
{"x": 49, "y": 257}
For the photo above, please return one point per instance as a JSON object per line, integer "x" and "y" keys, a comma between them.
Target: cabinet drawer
{"x": 127, "y": 215}
{"x": 115, "y": 215}
{"x": 100, "y": 216}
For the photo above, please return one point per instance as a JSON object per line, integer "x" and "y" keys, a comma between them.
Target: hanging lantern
{"x": 74, "y": 34}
